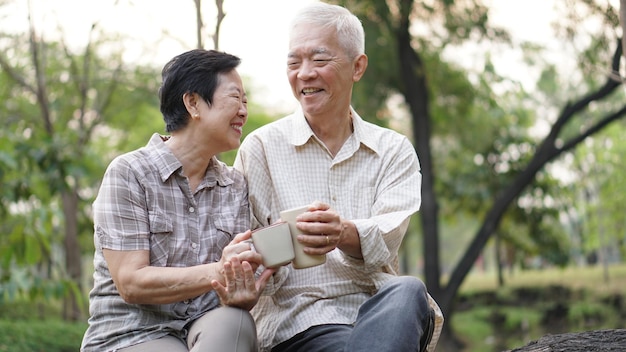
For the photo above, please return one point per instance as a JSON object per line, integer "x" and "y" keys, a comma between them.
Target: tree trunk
{"x": 219, "y": 4}
{"x": 622, "y": 21}
{"x": 199, "y": 24}
{"x": 498, "y": 259}
{"x": 416, "y": 96}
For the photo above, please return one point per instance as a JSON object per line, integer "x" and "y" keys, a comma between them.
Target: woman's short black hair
{"x": 195, "y": 71}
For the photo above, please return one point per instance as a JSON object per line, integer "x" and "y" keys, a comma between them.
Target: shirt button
{"x": 187, "y": 301}
{"x": 191, "y": 209}
{"x": 334, "y": 198}
{"x": 194, "y": 245}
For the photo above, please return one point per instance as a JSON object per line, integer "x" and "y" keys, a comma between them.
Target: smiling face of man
{"x": 320, "y": 72}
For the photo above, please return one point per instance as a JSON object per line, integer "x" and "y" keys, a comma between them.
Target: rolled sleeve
{"x": 120, "y": 212}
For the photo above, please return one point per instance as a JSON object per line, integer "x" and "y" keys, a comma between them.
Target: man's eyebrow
{"x": 320, "y": 51}
{"x": 311, "y": 52}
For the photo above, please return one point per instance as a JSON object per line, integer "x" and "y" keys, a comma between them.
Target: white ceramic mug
{"x": 301, "y": 259}
{"x": 274, "y": 244}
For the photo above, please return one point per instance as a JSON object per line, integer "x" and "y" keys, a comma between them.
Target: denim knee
{"x": 409, "y": 284}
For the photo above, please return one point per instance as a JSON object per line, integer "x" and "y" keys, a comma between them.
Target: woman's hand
{"x": 241, "y": 249}
{"x": 241, "y": 289}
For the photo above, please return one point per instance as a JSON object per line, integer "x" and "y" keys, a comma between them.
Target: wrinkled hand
{"x": 240, "y": 290}
{"x": 322, "y": 229}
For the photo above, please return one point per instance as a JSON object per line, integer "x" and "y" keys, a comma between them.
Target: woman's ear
{"x": 191, "y": 104}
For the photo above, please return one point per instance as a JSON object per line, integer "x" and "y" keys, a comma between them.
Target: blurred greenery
{"x": 35, "y": 326}
{"x": 40, "y": 336}
{"x": 535, "y": 303}
{"x": 499, "y": 150}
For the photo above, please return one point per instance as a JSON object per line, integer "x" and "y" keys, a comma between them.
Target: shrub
{"x": 40, "y": 336}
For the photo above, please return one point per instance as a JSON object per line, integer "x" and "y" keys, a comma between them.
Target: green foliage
{"x": 490, "y": 328}
{"x": 26, "y": 283}
{"x": 473, "y": 326}
{"x": 591, "y": 25}
{"x": 484, "y": 126}
{"x": 31, "y": 325}
{"x": 57, "y": 144}
{"x": 497, "y": 319}
{"x": 93, "y": 107}
{"x": 40, "y": 336}
{"x": 592, "y": 315}
{"x": 481, "y": 123}
{"x": 601, "y": 203}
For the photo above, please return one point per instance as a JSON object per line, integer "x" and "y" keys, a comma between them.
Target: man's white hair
{"x": 348, "y": 27}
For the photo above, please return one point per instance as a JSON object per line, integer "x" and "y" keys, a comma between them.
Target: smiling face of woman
{"x": 221, "y": 123}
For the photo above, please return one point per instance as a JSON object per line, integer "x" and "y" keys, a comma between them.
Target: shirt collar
{"x": 302, "y": 132}
{"x": 168, "y": 164}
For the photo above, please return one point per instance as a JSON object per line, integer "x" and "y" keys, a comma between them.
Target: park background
{"x": 515, "y": 110}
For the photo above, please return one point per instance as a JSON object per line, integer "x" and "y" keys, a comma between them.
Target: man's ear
{"x": 360, "y": 65}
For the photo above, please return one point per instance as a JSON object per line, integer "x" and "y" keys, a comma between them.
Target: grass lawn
{"x": 595, "y": 279}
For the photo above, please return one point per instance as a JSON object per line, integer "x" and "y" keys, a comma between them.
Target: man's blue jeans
{"x": 394, "y": 319}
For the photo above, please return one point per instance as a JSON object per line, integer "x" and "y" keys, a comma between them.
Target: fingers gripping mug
{"x": 301, "y": 259}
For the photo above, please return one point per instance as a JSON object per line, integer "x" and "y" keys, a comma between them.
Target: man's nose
{"x": 307, "y": 70}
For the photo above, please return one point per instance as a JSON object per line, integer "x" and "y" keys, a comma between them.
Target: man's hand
{"x": 323, "y": 230}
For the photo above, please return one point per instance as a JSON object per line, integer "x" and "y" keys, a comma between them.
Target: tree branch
{"x": 609, "y": 86}
{"x": 15, "y": 76}
{"x": 220, "y": 17}
{"x": 40, "y": 88}
{"x": 546, "y": 152}
{"x": 594, "y": 129}
{"x": 199, "y": 24}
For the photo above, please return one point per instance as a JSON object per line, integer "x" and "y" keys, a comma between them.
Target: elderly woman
{"x": 173, "y": 269}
